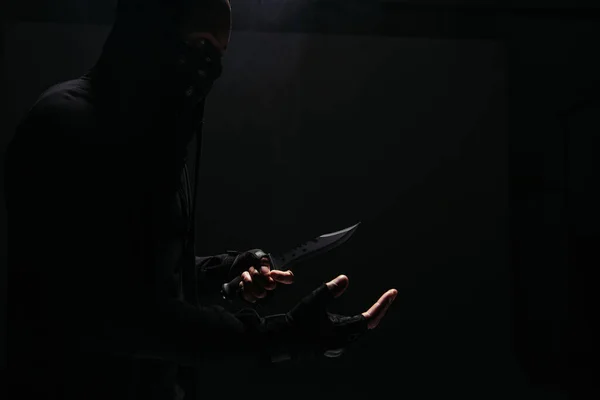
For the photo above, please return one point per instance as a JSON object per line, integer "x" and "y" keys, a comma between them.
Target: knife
{"x": 288, "y": 259}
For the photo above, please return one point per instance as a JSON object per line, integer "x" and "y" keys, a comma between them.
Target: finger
{"x": 338, "y": 285}
{"x": 285, "y": 277}
{"x": 378, "y": 310}
{"x": 264, "y": 270}
{"x": 266, "y": 281}
{"x": 250, "y": 292}
{"x": 245, "y": 284}
{"x": 266, "y": 262}
{"x": 261, "y": 279}
{"x": 258, "y": 283}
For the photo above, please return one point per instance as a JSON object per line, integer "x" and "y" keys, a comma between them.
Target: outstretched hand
{"x": 376, "y": 312}
{"x": 331, "y": 333}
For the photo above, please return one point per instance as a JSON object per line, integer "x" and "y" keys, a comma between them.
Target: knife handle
{"x": 230, "y": 290}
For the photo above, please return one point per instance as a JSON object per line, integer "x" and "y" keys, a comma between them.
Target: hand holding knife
{"x": 287, "y": 260}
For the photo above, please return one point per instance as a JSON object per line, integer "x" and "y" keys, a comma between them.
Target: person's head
{"x": 169, "y": 46}
{"x": 208, "y": 20}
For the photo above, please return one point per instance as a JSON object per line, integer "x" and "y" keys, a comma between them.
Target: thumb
{"x": 338, "y": 285}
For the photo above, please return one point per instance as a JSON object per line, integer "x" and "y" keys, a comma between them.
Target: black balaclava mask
{"x": 147, "y": 61}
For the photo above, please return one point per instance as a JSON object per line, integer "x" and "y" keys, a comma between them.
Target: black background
{"x": 460, "y": 133}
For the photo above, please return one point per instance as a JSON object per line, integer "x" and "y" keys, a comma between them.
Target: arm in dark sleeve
{"x": 164, "y": 325}
{"x": 213, "y": 271}
{"x": 87, "y": 208}
{"x": 216, "y": 267}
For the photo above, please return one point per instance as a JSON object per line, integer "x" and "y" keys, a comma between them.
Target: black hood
{"x": 141, "y": 85}
{"x": 139, "y": 69}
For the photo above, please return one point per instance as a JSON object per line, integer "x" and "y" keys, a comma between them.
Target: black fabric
{"x": 212, "y": 272}
{"x": 102, "y": 272}
{"x": 99, "y": 241}
{"x": 329, "y": 332}
{"x": 308, "y": 330}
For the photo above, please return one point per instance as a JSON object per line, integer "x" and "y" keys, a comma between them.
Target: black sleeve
{"x": 213, "y": 271}
{"x": 218, "y": 264}
{"x": 86, "y": 221}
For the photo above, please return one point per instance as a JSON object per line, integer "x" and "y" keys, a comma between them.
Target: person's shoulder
{"x": 61, "y": 102}
{"x": 60, "y": 122}
{"x": 64, "y": 109}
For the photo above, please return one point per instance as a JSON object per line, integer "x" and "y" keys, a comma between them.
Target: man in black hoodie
{"x": 103, "y": 279}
